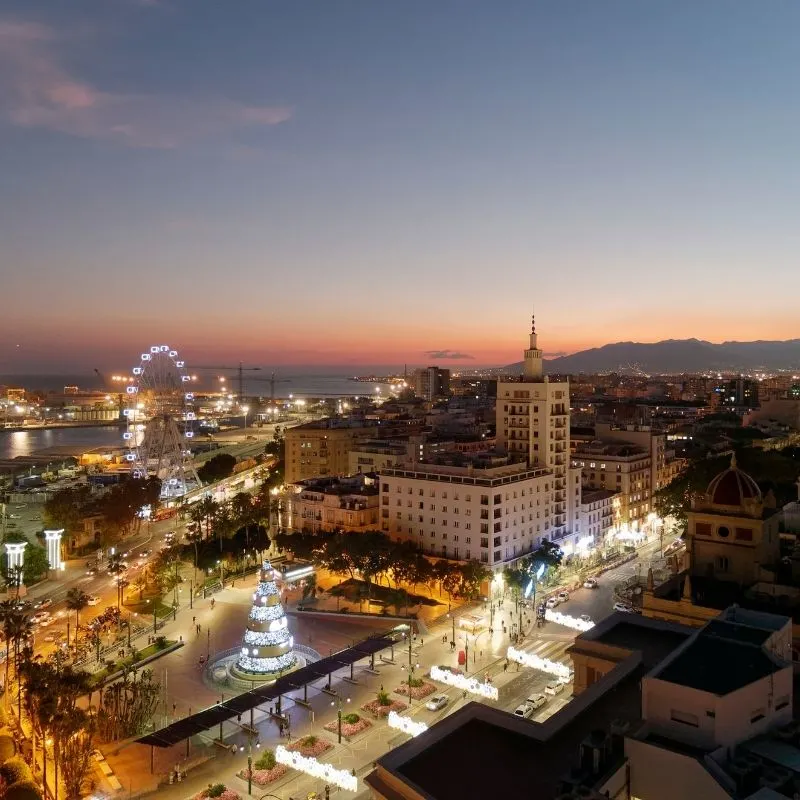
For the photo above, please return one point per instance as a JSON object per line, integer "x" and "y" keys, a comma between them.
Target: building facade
{"x": 532, "y": 424}
{"x": 432, "y": 383}
{"x": 598, "y": 509}
{"x": 621, "y": 468}
{"x": 334, "y": 504}
{"x": 493, "y": 515}
{"x": 323, "y": 448}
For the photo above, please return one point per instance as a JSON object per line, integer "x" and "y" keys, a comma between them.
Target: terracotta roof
{"x": 732, "y": 487}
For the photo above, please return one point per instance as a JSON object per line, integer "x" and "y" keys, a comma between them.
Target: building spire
{"x": 533, "y": 322}
{"x": 532, "y": 365}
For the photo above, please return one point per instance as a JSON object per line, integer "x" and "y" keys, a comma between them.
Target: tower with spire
{"x": 533, "y": 367}
{"x": 532, "y": 418}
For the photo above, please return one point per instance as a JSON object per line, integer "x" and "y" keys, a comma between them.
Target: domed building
{"x": 732, "y": 529}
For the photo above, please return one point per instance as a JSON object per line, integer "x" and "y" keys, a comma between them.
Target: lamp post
{"x": 250, "y": 735}
{"x": 245, "y": 409}
{"x": 338, "y": 703}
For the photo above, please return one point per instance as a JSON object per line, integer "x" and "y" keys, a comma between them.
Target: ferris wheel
{"x": 159, "y": 416}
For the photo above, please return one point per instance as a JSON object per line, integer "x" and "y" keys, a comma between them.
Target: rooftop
{"x": 610, "y": 449}
{"x": 596, "y": 495}
{"x": 718, "y": 666}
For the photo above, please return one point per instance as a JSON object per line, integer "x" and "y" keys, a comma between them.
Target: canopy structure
{"x": 203, "y": 721}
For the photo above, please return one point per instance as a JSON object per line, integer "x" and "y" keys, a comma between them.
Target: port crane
{"x": 241, "y": 369}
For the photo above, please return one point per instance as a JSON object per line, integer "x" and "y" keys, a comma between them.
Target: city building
{"x": 334, "y": 504}
{"x": 373, "y": 455}
{"x": 323, "y": 448}
{"x": 598, "y": 510}
{"x": 738, "y": 393}
{"x": 532, "y": 424}
{"x": 661, "y": 711}
{"x": 431, "y": 383}
{"x": 622, "y": 468}
{"x": 494, "y": 512}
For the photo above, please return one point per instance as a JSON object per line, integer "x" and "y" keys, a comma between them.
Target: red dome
{"x": 733, "y": 487}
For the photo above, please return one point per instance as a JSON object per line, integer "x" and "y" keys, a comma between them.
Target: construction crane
{"x": 241, "y": 369}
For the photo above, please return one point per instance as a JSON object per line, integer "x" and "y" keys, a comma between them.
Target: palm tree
{"x": 21, "y": 630}
{"x": 77, "y": 600}
{"x": 8, "y": 608}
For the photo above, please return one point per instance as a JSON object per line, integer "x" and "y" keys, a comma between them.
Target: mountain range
{"x": 673, "y": 356}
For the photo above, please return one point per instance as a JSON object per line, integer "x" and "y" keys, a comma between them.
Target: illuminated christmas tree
{"x": 267, "y": 644}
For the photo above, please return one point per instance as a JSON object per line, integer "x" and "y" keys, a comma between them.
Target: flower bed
{"x": 349, "y": 728}
{"x": 215, "y": 793}
{"x": 262, "y": 777}
{"x": 310, "y": 746}
{"x": 417, "y": 692}
{"x": 383, "y": 710}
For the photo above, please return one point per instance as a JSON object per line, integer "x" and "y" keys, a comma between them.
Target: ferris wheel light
{"x": 130, "y": 457}
{"x": 137, "y": 370}
{"x": 127, "y": 435}
{"x": 131, "y": 389}
{"x": 185, "y": 378}
{"x": 126, "y": 412}
{"x": 173, "y": 353}
{"x": 180, "y": 364}
{"x": 154, "y": 348}
{"x": 189, "y": 434}
{"x": 189, "y": 395}
{"x": 164, "y": 348}
{"x": 146, "y": 356}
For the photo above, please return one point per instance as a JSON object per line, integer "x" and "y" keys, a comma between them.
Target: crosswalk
{"x": 551, "y": 649}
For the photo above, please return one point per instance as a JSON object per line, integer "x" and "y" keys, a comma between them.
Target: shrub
{"x": 383, "y": 699}
{"x": 216, "y": 790}
{"x": 266, "y": 760}
{"x": 161, "y": 643}
{"x": 15, "y": 770}
{"x": 416, "y": 682}
{"x": 350, "y": 719}
{"x": 23, "y": 790}
{"x": 308, "y": 741}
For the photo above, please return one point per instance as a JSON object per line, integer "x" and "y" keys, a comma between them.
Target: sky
{"x": 381, "y": 182}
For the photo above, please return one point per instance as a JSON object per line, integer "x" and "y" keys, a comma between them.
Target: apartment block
{"x": 532, "y": 423}
{"x": 334, "y": 504}
{"x": 323, "y": 448}
{"x": 622, "y": 468}
{"x": 494, "y": 514}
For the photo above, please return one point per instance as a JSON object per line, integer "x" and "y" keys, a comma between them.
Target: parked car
{"x": 590, "y": 583}
{"x": 93, "y": 600}
{"x": 39, "y": 616}
{"x": 437, "y": 702}
{"x": 554, "y": 688}
{"x": 673, "y": 547}
{"x": 537, "y": 701}
{"x": 623, "y": 607}
{"x": 45, "y": 602}
{"x": 563, "y": 597}
{"x": 14, "y": 516}
{"x": 48, "y": 620}
{"x": 552, "y": 602}
{"x": 524, "y": 710}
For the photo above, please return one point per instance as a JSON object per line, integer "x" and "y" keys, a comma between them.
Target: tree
{"x": 547, "y": 553}
{"x": 216, "y": 468}
{"x": 66, "y": 507}
{"x": 35, "y": 565}
{"x": 76, "y": 731}
{"x": 473, "y": 574}
{"x": 128, "y": 705}
{"x": 77, "y": 600}
{"x": 121, "y": 506}
{"x": 8, "y": 610}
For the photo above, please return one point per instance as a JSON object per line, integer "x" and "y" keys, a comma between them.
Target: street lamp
{"x": 245, "y": 409}
{"x": 338, "y": 704}
{"x": 250, "y": 760}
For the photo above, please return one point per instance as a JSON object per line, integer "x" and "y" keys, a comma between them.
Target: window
{"x": 721, "y": 563}
{"x": 757, "y": 715}
{"x": 702, "y": 528}
{"x": 684, "y": 718}
{"x": 469, "y": 540}
{"x": 498, "y": 498}
{"x": 744, "y": 534}
{"x": 723, "y": 531}
{"x": 782, "y": 702}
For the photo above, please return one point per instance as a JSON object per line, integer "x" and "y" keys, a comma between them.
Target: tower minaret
{"x": 533, "y": 367}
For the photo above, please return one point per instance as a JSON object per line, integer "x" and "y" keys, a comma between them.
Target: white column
{"x": 53, "y": 542}
{"x": 15, "y": 553}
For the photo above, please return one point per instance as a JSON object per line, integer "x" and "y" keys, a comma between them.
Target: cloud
{"x": 555, "y": 354}
{"x": 447, "y": 355}
{"x": 37, "y": 91}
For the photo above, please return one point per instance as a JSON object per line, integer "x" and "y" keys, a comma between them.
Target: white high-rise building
{"x": 533, "y": 423}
